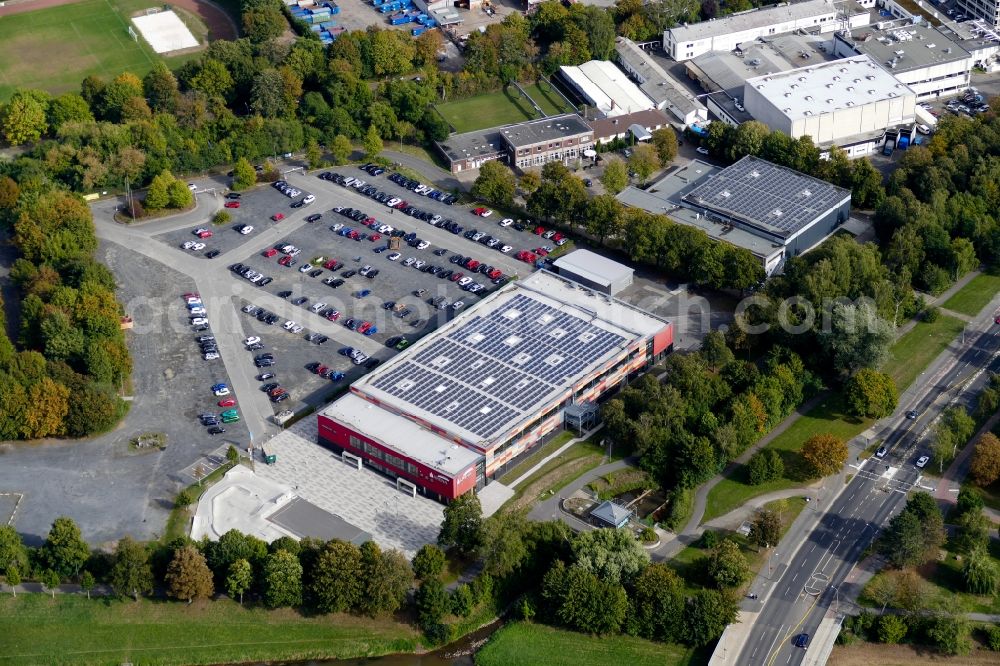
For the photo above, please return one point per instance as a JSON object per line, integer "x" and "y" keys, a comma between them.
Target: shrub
{"x": 222, "y": 217}
{"x": 930, "y": 315}
{"x": 649, "y": 535}
{"x": 184, "y": 498}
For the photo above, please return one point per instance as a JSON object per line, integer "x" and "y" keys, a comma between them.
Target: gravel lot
{"x": 105, "y": 486}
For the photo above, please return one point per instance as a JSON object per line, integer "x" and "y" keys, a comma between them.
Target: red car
{"x": 524, "y": 255}
{"x": 333, "y": 316}
{"x": 472, "y": 264}
{"x": 269, "y": 252}
{"x": 365, "y": 325}
{"x": 285, "y": 261}
{"x": 231, "y": 204}
{"x": 321, "y": 369}
{"x": 456, "y": 276}
{"x": 227, "y": 402}
{"x": 495, "y": 273}
{"x": 541, "y": 251}
{"x": 478, "y": 211}
{"x": 204, "y": 233}
{"x": 557, "y": 236}
{"x": 331, "y": 265}
{"x": 191, "y": 294}
{"x": 401, "y": 205}
{"x": 539, "y": 231}
{"x": 374, "y": 237}
{"x": 278, "y": 217}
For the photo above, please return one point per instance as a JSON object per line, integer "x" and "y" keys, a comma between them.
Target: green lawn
{"x": 532, "y": 459}
{"x": 38, "y": 629}
{"x": 973, "y": 297}
{"x": 523, "y": 644}
{"x": 908, "y": 358}
{"x": 500, "y": 108}
{"x": 55, "y": 49}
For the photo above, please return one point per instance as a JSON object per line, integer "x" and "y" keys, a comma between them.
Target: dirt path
{"x": 866, "y": 654}
{"x": 220, "y": 24}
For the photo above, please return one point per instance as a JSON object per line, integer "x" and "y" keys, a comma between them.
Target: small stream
{"x": 458, "y": 653}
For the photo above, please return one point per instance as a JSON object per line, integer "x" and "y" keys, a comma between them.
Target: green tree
{"x": 282, "y": 580}
{"x": 314, "y": 156}
{"x": 462, "y": 524}
{"x": 657, "y": 604}
{"x": 706, "y": 615}
{"x": 993, "y": 638}
{"x": 13, "y": 577}
{"x": 981, "y": 573}
{"x": 428, "y": 563}
{"x": 950, "y": 634}
{"x": 824, "y": 454}
{"x": 581, "y": 601}
{"x": 239, "y": 580}
{"x": 263, "y": 22}
{"x": 232, "y": 546}
{"x": 764, "y": 466}
{"x": 372, "y": 143}
{"x": 495, "y": 184}
{"x": 969, "y": 499}
{"x": 386, "y": 577}
{"x": 462, "y": 601}
{"x": 891, "y": 629}
{"x": 613, "y": 555}
{"x": 726, "y": 566}
{"x": 160, "y": 88}
{"x": 714, "y": 349}
{"x": 267, "y": 97}
{"x": 244, "y": 175}
{"x": 188, "y": 576}
{"x": 131, "y": 573}
{"x": 529, "y": 182}
{"x": 13, "y": 553}
{"x": 22, "y": 119}
{"x": 431, "y": 602}
{"x": 341, "y": 149}
{"x": 985, "y": 467}
{"x": 615, "y": 176}
{"x": 765, "y": 528}
{"x": 158, "y": 194}
{"x": 644, "y": 161}
{"x": 232, "y": 455}
{"x": 336, "y": 577}
{"x": 914, "y": 535}
{"x": 665, "y": 142}
{"x": 972, "y": 532}
{"x": 64, "y": 550}
{"x": 68, "y": 108}
{"x": 871, "y": 393}
{"x": 50, "y": 581}
{"x": 602, "y": 216}
{"x": 179, "y": 195}
{"x": 857, "y": 338}
{"x": 87, "y": 582}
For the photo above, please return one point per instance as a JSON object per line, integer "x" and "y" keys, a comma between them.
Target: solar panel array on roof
{"x": 496, "y": 367}
{"x": 780, "y": 200}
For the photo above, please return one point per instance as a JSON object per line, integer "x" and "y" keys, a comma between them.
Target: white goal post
{"x": 132, "y": 34}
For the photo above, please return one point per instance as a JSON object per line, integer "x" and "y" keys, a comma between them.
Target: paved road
{"x": 809, "y": 580}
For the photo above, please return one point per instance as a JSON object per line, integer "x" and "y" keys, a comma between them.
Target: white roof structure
{"x": 594, "y": 267}
{"x": 493, "y": 368}
{"x": 401, "y": 434}
{"x": 607, "y": 88}
{"x": 752, "y": 20}
{"x": 827, "y": 87}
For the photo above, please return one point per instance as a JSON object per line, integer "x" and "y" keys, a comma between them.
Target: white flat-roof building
{"x": 987, "y": 10}
{"x": 725, "y": 34}
{"x": 595, "y": 271}
{"x": 919, "y": 55}
{"x": 606, "y": 88}
{"x": 666, "y": 92}
{"x": 847, "y": 103}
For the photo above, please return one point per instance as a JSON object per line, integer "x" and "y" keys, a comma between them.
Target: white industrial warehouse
{"x": 606, "y": 88}
{"x": 847, "y": 103}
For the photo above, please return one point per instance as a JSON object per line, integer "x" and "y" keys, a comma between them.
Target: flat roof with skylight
{"x": 828, "y": 86}
{"x": 545, "y": 129}
{"x": 501, "y": 362}
{"x": 902, "y": 48}
{"x": 777, "y": 200}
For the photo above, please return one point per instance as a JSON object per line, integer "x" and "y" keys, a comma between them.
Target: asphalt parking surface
{"x": 256, "y": 208}
{"x": 337, "y": 195}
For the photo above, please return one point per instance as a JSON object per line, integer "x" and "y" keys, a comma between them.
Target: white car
{"x": 423, "y": 245}
{"x": 359, "y": 359}
{"x": 222, "y": 391}
{"x": 409, "y": 261}
{"x": 248, "y": 307}
{"x": 701, "y": 150}
{"x": 392, "y": 202}
{"x": 246, "y": 229}
{"x": 296, "y": 329}
{"x": 198, "y": 311}
{"x": 317, "y": 307}
{"x": 394, "y": 256}
{"x": 923, "y": 129}
{"x": 192, "y": 187}
{"x": 252, "y": 340}
{"x": 187, "y": 245}
{"x": 198, "y": 321}
{"x": 337, "y": 227}
{"x": 435, "y": 219}
{"x": 294, "y": 252}
{"x": 211, "y": 356}
{"x": 292, "y": 193}
{"x": 562, "y": 241}
{"x": 464, "y": 281}
{"x": 419, "y": 263}
{"x": 486, "y": 213}
{"x": 193, "y": 300}
{"x": 305, "y": 268}
{"x": 506, "y": 222}
{"x": 288, "y": 325}
{"x": 198, "y": 247}
{"x": 506, "y": 248}
{"x": 922, "y": 461}
{"x": 308, "y": 199}
{"x": 199, "y": 231}
{"x": 385, "y": 229}
{"x": 457, "y": 305}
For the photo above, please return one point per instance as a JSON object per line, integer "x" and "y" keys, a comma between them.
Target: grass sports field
{"x": 501, "y": 108}
{"x": 55, "y": 49}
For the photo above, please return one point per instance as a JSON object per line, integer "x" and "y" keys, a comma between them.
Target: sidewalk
{"x": 541, "y": 463}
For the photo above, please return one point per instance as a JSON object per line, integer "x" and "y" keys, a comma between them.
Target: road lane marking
{"x": 774, "y": 655}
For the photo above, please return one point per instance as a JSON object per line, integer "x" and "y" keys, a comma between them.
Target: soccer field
{"x": 55, "y": 49}
{"x": 501, "y": 108}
